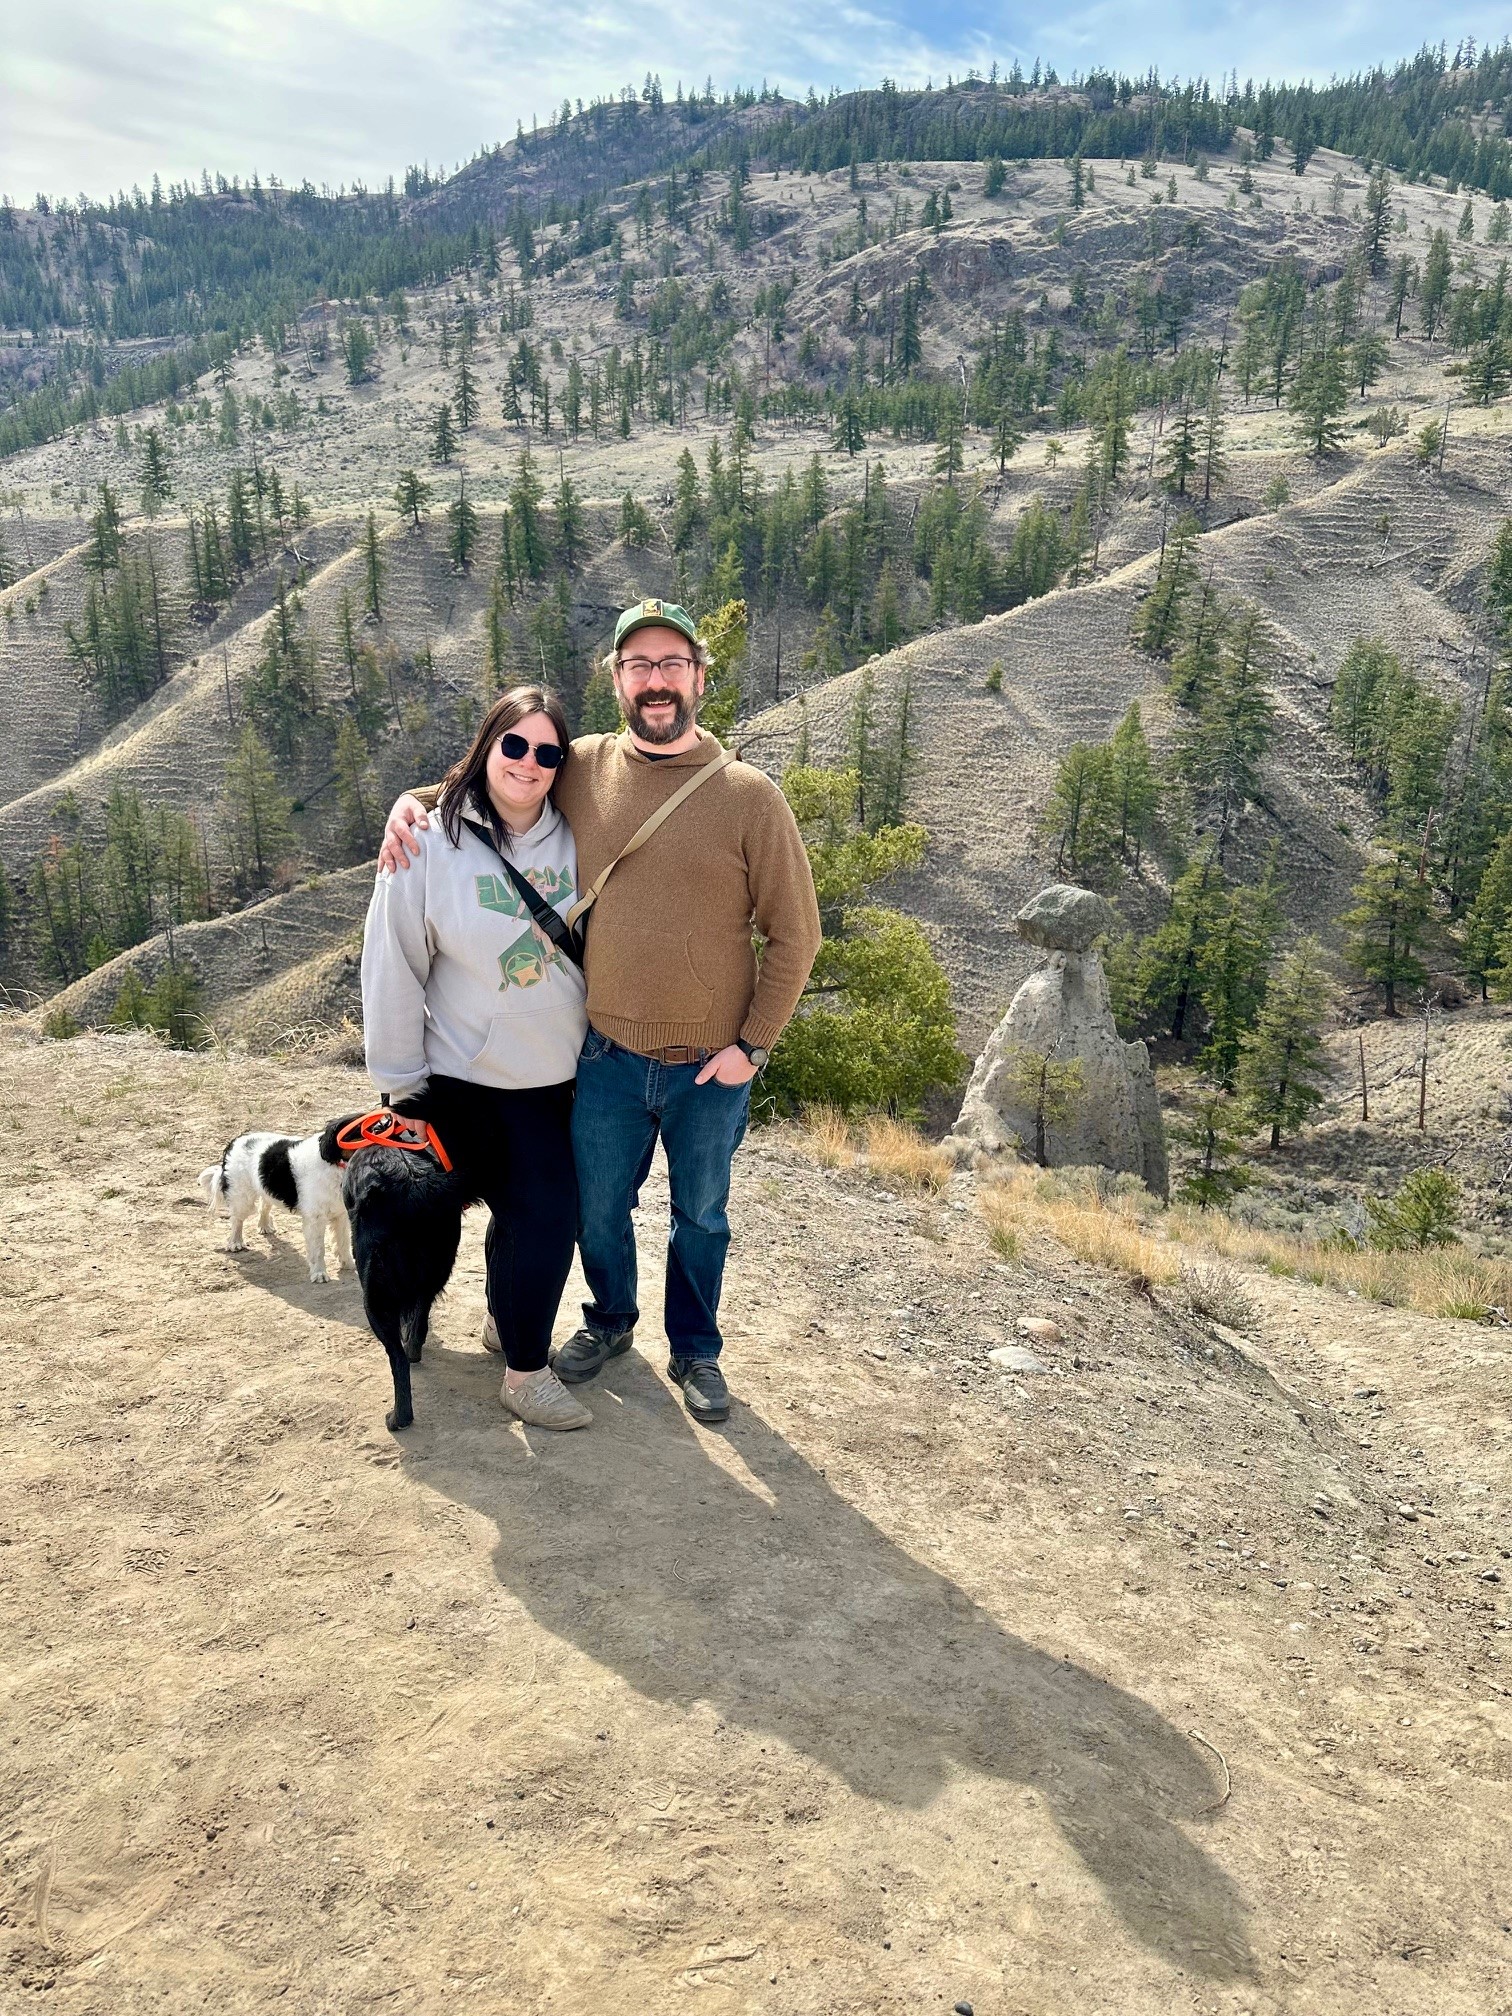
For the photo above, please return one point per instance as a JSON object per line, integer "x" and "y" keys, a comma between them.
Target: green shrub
{"x": 1424, "y": 1212}
{"x": 875, "y": 1028}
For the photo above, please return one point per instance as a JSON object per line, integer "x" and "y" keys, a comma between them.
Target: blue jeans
{"x": 623, "y": 1102}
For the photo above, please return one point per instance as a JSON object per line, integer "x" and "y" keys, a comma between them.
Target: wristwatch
{"x": 759, "y": 1057}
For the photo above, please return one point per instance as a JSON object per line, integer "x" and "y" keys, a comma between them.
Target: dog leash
{"x": 387, "y": 1129}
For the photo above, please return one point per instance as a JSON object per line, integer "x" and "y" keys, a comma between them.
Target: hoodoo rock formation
{"x": 1056, "y": 1081}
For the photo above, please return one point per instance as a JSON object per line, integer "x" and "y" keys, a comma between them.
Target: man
{"x": 680, "y": 1017}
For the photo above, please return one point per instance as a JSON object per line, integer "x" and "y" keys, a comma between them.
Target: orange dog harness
{"x": 385, "y": 1129}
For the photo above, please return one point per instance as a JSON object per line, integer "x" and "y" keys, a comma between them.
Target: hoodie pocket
{"x": 659, "y": 983}
{"x": 531, "y": 1046}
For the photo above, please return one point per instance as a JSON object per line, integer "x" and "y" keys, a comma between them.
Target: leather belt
{"x": 677, "y": 1053}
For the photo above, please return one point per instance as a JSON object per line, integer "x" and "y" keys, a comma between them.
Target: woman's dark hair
{"x": 469, "y": 778}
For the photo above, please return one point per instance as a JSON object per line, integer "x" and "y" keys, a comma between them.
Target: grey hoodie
{"x": 457, "y": 978}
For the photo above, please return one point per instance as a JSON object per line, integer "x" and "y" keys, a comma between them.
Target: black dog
{"x": 406, "y": 1213}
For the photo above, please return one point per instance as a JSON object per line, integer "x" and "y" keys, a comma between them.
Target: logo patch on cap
{"x": 651, "y": 606}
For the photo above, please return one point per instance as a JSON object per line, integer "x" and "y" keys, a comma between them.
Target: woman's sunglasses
{"x": 548, "y": 754}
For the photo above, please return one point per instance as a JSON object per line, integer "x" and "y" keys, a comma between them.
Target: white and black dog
{"x": 260, "y": 1170}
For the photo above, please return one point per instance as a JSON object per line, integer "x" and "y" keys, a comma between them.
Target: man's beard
{"x": 651, "y": 731}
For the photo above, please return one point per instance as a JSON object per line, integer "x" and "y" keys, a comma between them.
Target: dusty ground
{"x": 885, "y": 1697}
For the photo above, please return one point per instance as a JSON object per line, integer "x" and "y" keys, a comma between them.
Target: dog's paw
{"x": 234, "y": 1246}
{"x": 319, "y": 1274}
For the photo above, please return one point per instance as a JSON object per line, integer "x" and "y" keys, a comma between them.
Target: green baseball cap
{"x": 644, "y": 614}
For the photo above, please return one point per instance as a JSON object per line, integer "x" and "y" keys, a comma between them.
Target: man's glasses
{"x": 643, "y": 668}
{"x": 514, "y": 748}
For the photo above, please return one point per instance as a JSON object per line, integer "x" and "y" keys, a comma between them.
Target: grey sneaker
{"x": 587, "y": 1352}
{"x": 705, "y": 1394}
{"x": 492, "y": 1341}
{"x": 544, "y": 1402}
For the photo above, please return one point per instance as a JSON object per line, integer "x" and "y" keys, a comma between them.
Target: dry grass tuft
{"x": 893, "y": 1150}
{"x": 1437, "y": 1281}
{"x": 1124, "y": 1231}
{"x": 1217, "y": 1293}
{"x": 1106, "y": 1231}
{"x": 829, "y": 1137}
{"x": 902, "y": 1154}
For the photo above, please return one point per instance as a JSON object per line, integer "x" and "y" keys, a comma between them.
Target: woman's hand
{"x": 729, "y": 1066}
{"x": 399, "y": 840}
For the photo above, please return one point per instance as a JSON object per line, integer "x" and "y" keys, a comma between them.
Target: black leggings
{"x": 514, "y": 1150}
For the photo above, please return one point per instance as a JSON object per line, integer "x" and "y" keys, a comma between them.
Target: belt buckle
{"x": 680, "y": 1053}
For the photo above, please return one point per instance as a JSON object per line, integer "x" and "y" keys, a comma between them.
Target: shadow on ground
{"x": 808, "y": 1624}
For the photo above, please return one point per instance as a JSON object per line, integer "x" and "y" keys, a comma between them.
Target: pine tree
{"x": 357, "y": 352}
{"x": 443, "y": 435}
{"x": 525, "y": 510}
{"x": 255, "y": 815}
{"x": 281, "y": 691}
{"x": 950, "y": 456}
{"x": 1219, "y": 1173}
{"x": 1282, "y": 1070}
{"x": 1214, "y": 466}
{"x": 360, "y": 667}
{"x": 1180, "y": 456}
{"x": 411, "y": 496}
{"x": 356, "y": 786}
{"x": 1220, "y": 752}
{"x": 1007, "y": 438}
{"x": 1082, "y": 818}
{"x": 1487, "y": 948}
{"x": 239, "y": 522}
{"x": 373, "y": 570}
{"x": 1390, "y": 921}
{"x": 1367, "y": 359}
{"x": 635, "y": 526}
{"x": 1167, "y": 984}
{"x": 1232, "y": 969}
{"x": 462, "y": 531}
{"x": 1433, "y": 290}
{"x": 1134, "y": 786}
{"x": 569, "y": 523}
{"x": 1403, "y": 272}
{"x": 157, "y": 483}
{"x": 849, "y": 433}
{"x": 601, "y": 708}
{"x": 1319, "y": 394}
{"x": 687, "y": 507}
{"x": 1377, "y": 220}
{"x": 465, "y": 396}
{"x": 102, "y": 554}
{"x": 1157, "y": 621}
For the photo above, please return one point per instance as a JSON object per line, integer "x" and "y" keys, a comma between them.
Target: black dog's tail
{"x": 406, "y": 1215}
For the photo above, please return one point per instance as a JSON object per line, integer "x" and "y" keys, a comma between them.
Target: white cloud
{"x": 97, "y": 96}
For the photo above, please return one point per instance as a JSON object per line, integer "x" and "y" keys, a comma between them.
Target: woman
{"x": 473, "y": 1018}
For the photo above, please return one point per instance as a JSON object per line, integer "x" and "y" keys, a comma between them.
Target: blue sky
{"x": 96, "y": 95}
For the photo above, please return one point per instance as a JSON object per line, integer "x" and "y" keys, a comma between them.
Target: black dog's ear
{"x": 329, "y": 1152}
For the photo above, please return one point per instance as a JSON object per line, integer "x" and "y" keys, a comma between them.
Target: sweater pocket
{"x": 657, "y": 982}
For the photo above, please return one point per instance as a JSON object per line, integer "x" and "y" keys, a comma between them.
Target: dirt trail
{"x": 881, "y": 1700}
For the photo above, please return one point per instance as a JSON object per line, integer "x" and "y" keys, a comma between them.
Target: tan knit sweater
{"x": 669, "y": 958}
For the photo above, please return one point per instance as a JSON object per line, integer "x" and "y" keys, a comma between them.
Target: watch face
{"x": 758, "y": 1056}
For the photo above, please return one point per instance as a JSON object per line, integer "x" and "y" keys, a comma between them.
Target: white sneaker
{"x": 544, "y": 1402}
{"x": 491, "y": 1338}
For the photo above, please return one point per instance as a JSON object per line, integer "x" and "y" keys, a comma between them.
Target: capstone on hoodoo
{"x": 1056, "y": 1082}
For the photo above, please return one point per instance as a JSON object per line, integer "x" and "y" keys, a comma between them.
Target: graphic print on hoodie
{"x": 524, "y": 962}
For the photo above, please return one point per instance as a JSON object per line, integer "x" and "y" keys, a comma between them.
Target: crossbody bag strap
{"x": 642, "y": 834}
{"x": 550, "y": 920}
